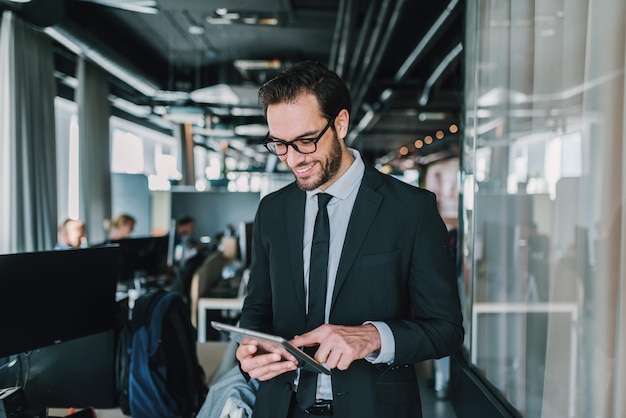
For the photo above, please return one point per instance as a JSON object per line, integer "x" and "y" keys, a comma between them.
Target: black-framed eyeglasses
{"x": 302, "y": 145}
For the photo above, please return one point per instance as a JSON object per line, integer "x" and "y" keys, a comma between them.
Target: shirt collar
{"x": 349, "y": 181}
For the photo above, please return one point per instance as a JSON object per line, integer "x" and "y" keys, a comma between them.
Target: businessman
{"x": 348, "y": 263}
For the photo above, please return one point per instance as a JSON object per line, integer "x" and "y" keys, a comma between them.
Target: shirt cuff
{"x": 387, "y": 351}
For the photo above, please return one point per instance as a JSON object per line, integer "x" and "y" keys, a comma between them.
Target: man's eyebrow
{"x": 305, "y": 135}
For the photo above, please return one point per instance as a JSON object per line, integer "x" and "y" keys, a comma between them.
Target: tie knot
{"x": 323, "y": 199}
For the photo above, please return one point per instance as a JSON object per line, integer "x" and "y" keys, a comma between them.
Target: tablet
{"x": 304, "y": 360}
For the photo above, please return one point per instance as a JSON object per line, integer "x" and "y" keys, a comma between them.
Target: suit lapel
{"x": 365, "y": 207}
{"x": 294, "y": 219}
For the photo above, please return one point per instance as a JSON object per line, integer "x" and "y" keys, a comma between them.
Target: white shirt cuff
{"x": 387, "y": 351}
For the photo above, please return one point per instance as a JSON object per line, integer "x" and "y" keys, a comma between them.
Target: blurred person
{"x": 72, "y": 234}
{"x": 185, "y": 245}
{"x": 120, "y": 227}
{"x": 188, "y": 254}
{"x": 185, "y": 226}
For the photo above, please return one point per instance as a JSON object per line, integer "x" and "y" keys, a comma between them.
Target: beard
{"x": 330, "y": 166}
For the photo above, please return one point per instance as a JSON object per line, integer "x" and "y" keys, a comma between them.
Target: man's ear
{"x": 342, "y": 121}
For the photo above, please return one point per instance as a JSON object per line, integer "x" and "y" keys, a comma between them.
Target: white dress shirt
{"x": 344, "y": 192}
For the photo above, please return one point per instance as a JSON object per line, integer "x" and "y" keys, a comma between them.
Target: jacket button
{"x": 288, "y": 386}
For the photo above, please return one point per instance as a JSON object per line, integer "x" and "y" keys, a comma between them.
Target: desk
{"x": 214, "y": 304}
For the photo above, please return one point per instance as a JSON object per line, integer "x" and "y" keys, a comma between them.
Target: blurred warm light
{"x": 404, "y": 150}
{"x": 439, "y": 135}
{"x": 419, "y": 143}
{"x": 428, "y": 139}
{"x": 387, "y": 169}
{"x": 454, "y": 129}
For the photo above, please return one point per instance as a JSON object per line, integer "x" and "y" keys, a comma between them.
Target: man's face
{"x": 186, "y": 229}
{"x": 303, "y": 119}
{"x": 75, "y": 233}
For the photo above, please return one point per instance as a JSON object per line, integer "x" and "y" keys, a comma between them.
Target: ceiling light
{"x": 19, "y": 1}
{"x": 218, "y": 21}
{"x": 223, "y": 16}
{"x": 215, "y": 132}
{"x": 112, "y": 67}
{"x": 138, "y": 6}
{"x": 185, "y": 114}
{"x": 219, "y": 111}
{"x": 424, "y": 116}
{"x": 171, "y": 96}
{"x": 218, "y": 93}
{"x": 226, "y": 94}
{"x": 269, "y": 21}
{"x": 254, "y": 129}
{"x": 132, "y": 108}
{"x": 250, "y": 65}
{"x": 195, "y": 30}
{"x": 246, "y": 111}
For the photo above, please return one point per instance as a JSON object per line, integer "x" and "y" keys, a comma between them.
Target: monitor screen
{"x": 54, "y": 296}
{"x": 146, "y": 256}
{"x": 79, "y": 373}
{"x": 214, "y": 212}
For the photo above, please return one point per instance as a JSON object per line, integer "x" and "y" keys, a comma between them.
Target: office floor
{"x": 432, "y": 407}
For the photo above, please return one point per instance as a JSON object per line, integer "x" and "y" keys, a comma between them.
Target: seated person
{"x": 185, "y": 245}
{"x": 120, "y": 227}
{"x": 188, "y": 254}
{"x": 72, "y": 234}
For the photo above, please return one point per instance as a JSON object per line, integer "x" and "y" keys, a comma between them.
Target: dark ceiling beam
{"x": 447, "y": 61}
{"x": 437, "y": 28}
{"x": 371, "y": 69}
{"x": 357, "y": 80}
{"x": 371, "y": 116}
{"x": 355, "y": 59}
{"x": 86, "y": 46}
{"x": 342, "y": 36}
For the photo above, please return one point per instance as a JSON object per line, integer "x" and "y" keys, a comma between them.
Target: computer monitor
{"x": 78, "y": 373}
{"x": 58, "y": 327}
{"x": 144, "y": 256}
{"x": 54, "y": 296}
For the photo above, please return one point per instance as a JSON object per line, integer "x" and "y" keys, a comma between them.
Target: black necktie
{"x": 318, "y": 277}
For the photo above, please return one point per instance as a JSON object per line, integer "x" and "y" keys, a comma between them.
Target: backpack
{"x": 157, "y": 364}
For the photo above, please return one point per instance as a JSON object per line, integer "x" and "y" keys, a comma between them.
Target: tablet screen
{"x": 272, "y": 343}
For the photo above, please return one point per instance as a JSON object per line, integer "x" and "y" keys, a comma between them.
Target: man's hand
{"x": 264, "y": 361}
{"x": 339, "y": 345}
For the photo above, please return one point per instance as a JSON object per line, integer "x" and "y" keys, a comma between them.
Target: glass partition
{"x": 541, "y": 209}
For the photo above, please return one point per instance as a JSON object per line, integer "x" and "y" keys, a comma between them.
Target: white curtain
{"x": 94, "y": 149}
{"x": 544, "y": 193}
{"x": 28, "y": 210}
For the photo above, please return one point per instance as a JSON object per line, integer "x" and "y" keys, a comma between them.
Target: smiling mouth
{"x": 304, "y": 169}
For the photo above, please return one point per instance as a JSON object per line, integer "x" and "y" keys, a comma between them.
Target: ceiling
{"x": 400, "y": 58}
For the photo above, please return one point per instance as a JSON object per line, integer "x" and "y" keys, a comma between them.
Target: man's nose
{"x": 293, "y": 157}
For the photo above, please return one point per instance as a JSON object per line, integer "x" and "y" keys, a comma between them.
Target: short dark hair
{"x": 307, "y": 77}
{"x": 184, "y": 220}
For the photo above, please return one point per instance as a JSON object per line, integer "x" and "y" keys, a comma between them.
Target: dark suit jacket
{"x": 396, "y": 267}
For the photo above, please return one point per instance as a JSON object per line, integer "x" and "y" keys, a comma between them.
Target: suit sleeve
{"x": 436, "y": 329}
